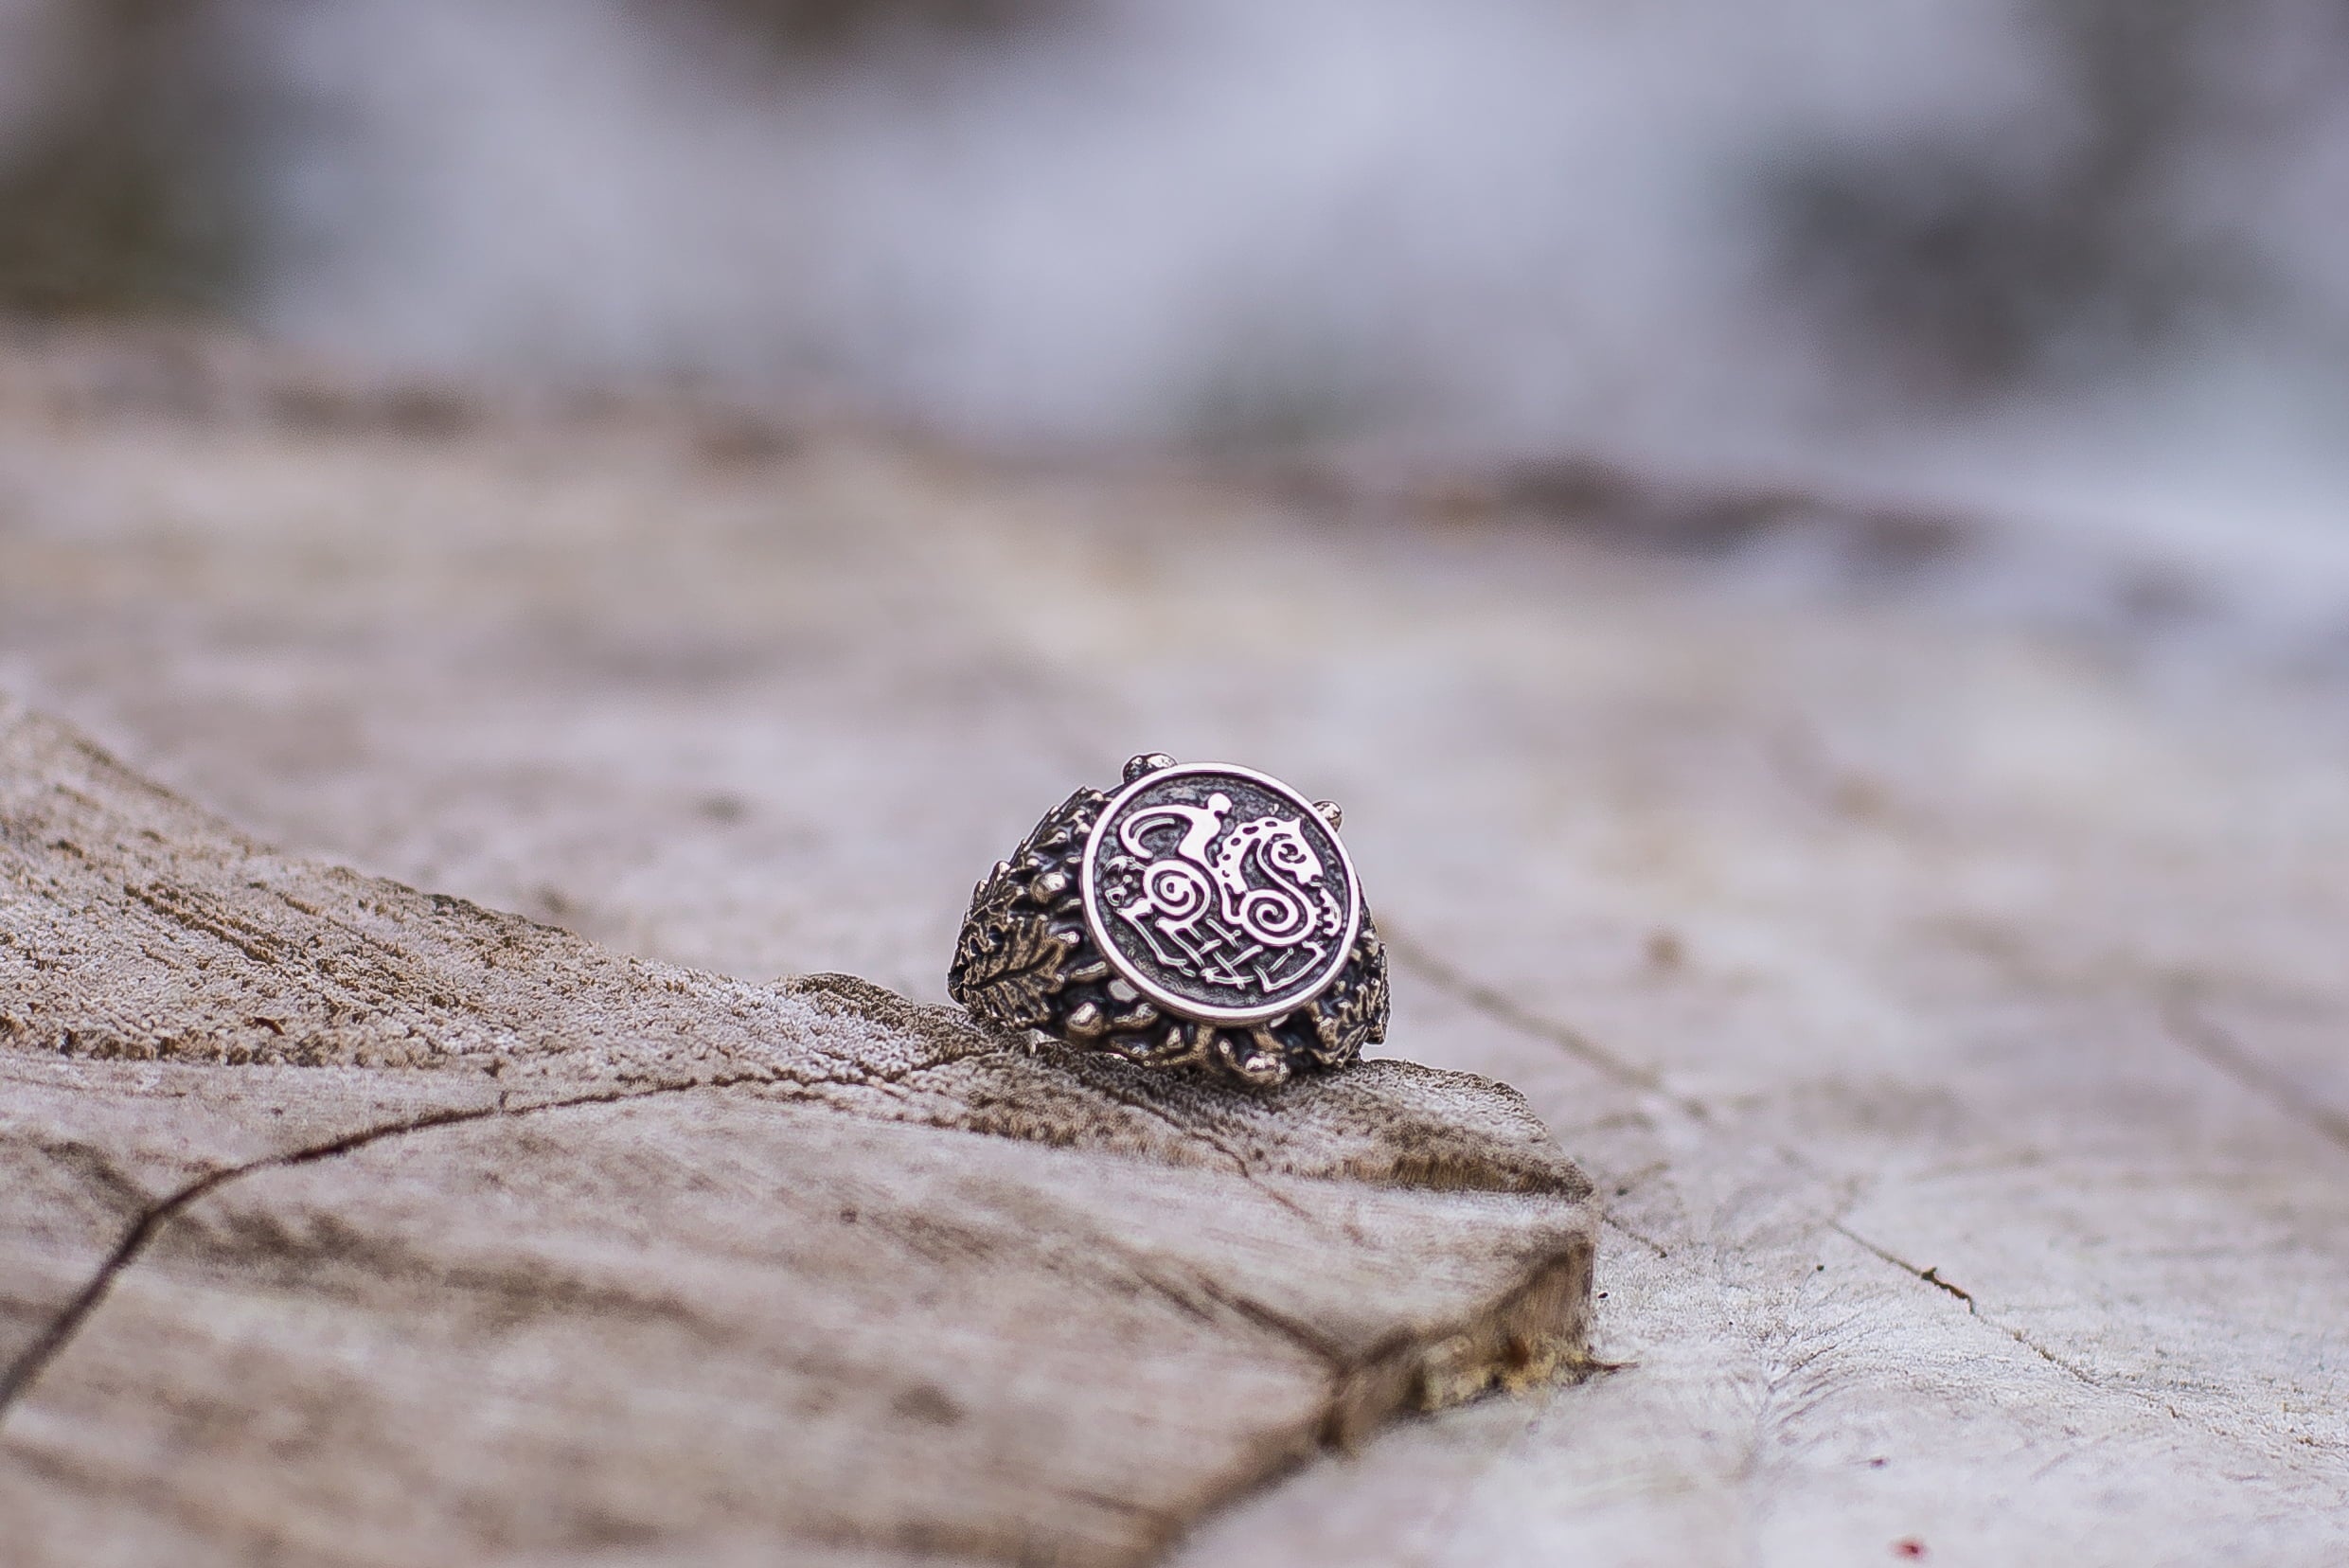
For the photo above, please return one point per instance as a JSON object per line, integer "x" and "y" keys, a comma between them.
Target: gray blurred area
{"x": 2080, "y": 255}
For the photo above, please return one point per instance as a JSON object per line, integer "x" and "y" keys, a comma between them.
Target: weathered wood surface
{"x": 1952, "y": 1009}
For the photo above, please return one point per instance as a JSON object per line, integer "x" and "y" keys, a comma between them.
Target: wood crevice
{"x": 20, "y": 1375}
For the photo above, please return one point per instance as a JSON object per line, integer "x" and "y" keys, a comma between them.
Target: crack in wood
{"x": 2186, "y": 1020}
{"x": 22, "y": 1373}
{"x": 1931, "y": 1276}
{"x": 1502, "y": 1009}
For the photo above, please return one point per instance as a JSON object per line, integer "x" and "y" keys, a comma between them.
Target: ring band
{"x": 1202, "y": 915}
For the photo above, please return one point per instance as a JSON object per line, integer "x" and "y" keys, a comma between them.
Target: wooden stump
{"x": 355, "y": 1223}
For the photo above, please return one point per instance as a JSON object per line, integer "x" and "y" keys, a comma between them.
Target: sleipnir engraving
{"x": 1198, "y": 913}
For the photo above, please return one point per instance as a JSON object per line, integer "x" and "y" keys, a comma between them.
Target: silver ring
{"x": 1202, "y": 914}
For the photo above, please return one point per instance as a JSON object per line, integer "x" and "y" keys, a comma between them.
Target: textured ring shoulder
{"x": 1202, "y": 914}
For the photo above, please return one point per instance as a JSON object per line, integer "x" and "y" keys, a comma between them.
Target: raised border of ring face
{"x": 1175, "y": 1002}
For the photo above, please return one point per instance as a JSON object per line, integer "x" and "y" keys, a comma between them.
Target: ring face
{"x": 1220, "y": 893}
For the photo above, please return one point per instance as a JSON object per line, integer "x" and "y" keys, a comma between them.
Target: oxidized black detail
{"x": 1202, "y": 916}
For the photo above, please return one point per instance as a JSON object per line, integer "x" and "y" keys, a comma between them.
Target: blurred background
{"x": 2082, "y": 262}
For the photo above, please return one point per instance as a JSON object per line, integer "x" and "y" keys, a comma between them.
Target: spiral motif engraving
{"x": 1275, "y": 915}
{"x": 1178, "y": 889}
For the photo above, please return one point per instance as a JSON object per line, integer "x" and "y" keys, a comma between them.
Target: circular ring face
{"x": 1220, "y": 893}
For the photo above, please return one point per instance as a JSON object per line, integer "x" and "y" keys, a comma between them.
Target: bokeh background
{"x": 2072, "y": 263}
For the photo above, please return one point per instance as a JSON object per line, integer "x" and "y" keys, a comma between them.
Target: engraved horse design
{"x": 1203, "y": 912}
